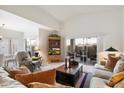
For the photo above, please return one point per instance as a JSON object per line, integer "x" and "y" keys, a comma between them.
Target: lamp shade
{"x": 111, "y": 49}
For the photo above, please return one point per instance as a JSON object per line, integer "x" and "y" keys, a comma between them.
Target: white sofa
{"x": 7, "y": 82}
{"x": 101, "y": 75}
{"x": 97, "y": 82}
{"x": 102, "y": 72}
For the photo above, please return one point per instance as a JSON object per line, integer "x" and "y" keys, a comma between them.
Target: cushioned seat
{"x": 104, "y": 78}
{"x": 7, "y": 82}
{"x": 98, "y": 83}
{"x": 3, "y": 73}
{"x": 98, "y": 66}
{"x": 102, "y": 74}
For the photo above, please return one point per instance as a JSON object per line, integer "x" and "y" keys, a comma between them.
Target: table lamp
{"x": 111, "y": 49}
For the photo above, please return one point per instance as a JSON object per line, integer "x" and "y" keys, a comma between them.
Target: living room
{"x": 39, "y": 34}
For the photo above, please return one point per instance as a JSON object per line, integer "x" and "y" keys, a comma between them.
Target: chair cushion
{"x": 99, "y": 66}
{"x": 102, "y": 73}
{"x": 115, "y": 79}
{"x": 98, "y": 83}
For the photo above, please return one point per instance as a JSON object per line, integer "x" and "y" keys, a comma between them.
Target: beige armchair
{"x": 23, "y": 58}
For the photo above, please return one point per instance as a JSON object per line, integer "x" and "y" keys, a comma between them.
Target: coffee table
{"x": 69, "y": 76}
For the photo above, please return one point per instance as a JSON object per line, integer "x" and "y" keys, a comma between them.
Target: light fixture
{"x": 1, "y": 36}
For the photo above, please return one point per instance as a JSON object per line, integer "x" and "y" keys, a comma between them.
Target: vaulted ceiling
{"x": 17, "y": 23}
{"x": 65, "y": 12}
{"x": 60, "y": 13}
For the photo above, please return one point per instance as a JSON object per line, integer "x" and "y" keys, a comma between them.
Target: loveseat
{"x": 22, "y": 77}
{"x": 7, "y": 82}
{"x": 102, "y": 75}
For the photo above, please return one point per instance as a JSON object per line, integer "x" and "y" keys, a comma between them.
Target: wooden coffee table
{"x": 69, "y": 76}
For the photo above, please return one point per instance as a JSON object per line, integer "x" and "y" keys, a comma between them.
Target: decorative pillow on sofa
{"x": 103, "y": 62}
{"x": 40, "y": 85}
{"x": 120, "y": 84}
{"x": 115, "y": 79}
{"x": 111, "y": 62}
{"x": 119, "y": 67}
{"x": 24, "y": 78}
{"x": 47, "y": 77}
{"x": 20, "y": 70}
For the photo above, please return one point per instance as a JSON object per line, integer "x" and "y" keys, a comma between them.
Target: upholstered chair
{"x": 23, "y": 58}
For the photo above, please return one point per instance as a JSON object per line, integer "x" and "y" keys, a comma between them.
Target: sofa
{"x": 7, "y": 82}
{"x": 102, "y": 75}
{"x": 23, "y": 58}
{"x": 22, "y": 77}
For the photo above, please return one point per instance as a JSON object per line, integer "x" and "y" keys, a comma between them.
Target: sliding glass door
{"x": 84, "y": 49}
{"x": 9, "y": 46}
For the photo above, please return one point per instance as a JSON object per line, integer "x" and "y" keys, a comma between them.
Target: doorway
{"x": 83, "y": 50}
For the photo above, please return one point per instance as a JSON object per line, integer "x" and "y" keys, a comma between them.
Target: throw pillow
{"x": 119, "y": 67}
{"x": 24, "y": 69}
{"x": 103, "y": 62}
{"x": 115, "y": 79}
{"x": 120, "y": 84}
{"x": 122, "y": 57}
{"x": 47, "y": 77}
{"x": 20, "y": 70}
{"x": 111, "y": 62}
{"x": 24, "y": 78}
{"x": 111, "y": 55}
{"x": 40, "y": 85}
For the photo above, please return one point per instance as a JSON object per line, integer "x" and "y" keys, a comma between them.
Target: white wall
{"x": 43, "y": 43}
{"x": 123, "y": 28}
{"x": 33, "y": 13}
{"x": 31, "y": 34}
{"x": 106, "y": 25}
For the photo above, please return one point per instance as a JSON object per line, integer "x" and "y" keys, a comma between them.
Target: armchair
{"x": 23, "y": 58}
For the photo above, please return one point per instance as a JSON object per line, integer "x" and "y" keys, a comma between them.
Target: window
{"x": 68, "y": 42}
{"x": 79, "y": 41}
{"x": 92, "y": 40}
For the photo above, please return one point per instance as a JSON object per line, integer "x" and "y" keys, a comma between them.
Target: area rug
{"x": 86, "y": 80}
